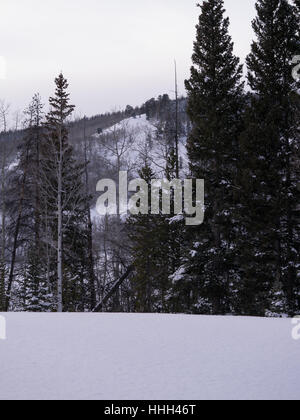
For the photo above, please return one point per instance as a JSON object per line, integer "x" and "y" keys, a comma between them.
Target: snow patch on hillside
{"x": 133, "y": 142}
{"x": 139, "y": 123}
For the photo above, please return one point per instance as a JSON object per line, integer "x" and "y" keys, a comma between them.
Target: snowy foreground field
{"x": 105, "y": 356}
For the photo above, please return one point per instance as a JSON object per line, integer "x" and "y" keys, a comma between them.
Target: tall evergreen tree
{"x": 215, "y": 105}
{"x": 269, "y": 234}
{"x": 30, "y": 160}
{"x": 37, "y": 295}
{"x": 23, "y": 196}
{"x": 64, "y": 202}
{"x": 149, "y": 236}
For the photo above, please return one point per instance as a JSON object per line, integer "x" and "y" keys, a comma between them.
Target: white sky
{"x": 114, "y": 52}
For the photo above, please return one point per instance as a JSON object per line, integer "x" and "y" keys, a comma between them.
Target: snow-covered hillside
{"x": 139, "y": 124}
{"x": 113, "y": 356}
{"x": 136, "y": 140}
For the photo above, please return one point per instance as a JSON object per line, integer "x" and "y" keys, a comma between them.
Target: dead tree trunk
{"x": 115, "y": 288}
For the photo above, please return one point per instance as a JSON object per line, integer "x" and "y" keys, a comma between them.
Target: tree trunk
{"x": 92, "y": 297}
{"x": 59, "y": 231}
{"x": 114, "y": 289}
{"x": 3, "y": 233}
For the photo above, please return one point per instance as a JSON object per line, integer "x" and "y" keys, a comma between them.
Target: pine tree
{"x": 24, "y": 190}
{"x": 269, "y": 235}
{"x": 64, "y": 201}
{"x": 30, "y": 160}
{"x": 215, "y": 105}
{"x": 149, "y": 236}
{"x": 38, "y": 297}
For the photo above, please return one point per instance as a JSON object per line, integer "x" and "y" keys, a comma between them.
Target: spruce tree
{"x": 64, "y": 204}
{"x": 30, "y": 159}
{"x": 150, "y": 247}
{"x": 215, "y": 105}
{"x": 269, "y": 233}
{"x": 24, "y": 184}
{"x": 38, "y": 296}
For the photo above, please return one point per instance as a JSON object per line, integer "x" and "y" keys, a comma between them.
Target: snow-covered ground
{"x": 120, "y": 356}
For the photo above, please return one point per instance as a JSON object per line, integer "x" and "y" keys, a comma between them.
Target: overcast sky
{"x": 114, "y": 52}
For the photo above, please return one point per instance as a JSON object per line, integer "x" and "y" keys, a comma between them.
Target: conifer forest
{"x": 237, "y": 127}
